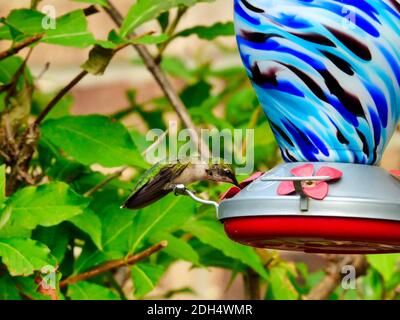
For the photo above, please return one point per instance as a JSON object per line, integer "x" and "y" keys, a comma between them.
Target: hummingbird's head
{"x": 222, "y": 172}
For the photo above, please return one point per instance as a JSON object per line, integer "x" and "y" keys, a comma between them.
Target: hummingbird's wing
{"x": 152, "y": 186}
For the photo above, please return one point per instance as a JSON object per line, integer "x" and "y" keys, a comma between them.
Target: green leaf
{"x": 280, "y": 286}
{"x": 241, "y": 105}
{"x": 56, "y": 238}
{"x": 209, "y": 32}
{"x": 163, "y": 20}
{"x": 93, "y": 139}
{"x": 177, "y": 247}
{"x": 146, "y": 10}
{"x": 150, "y": 39}
{"x": 118, "y": 230}
{"x": 2, "y": 183}
{"x": 145, "y": 277}
{"x": 196, "y": 94}
{"x": 25, "y": 21}
{"x": 89, "y": 223}
{"x": 99, "y": 2}
{"x": 57, "y": 166}
{"x": 5, "y": 33}
{"x": 387, "y": 265}
{"x": 212, "y": 257}
{"x": 264, "y": 144}
{"x": 70, "y": 29}
{"x": 8, "y": 289}
{"x": 166, "y": 215}
{"x": 177, "y": 68}
{"x": 11, "y": 230}
{"x": 90, "y": 291}
{"x": 372, "y": 286}
{"x": 45, "y": 205}
{"x": 91, "y": 256}
{"x": 99, "y": 59}
{"x": 24, "y": 256}
{"x": 212, "y": 233}
{"x": 314, "y": 278}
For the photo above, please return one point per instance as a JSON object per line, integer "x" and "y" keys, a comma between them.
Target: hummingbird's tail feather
{"x": 153, "y": 187}
{"x": 143, "y": 198}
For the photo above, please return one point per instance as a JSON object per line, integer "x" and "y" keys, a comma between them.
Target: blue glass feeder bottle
{"x": 327, "y": 74}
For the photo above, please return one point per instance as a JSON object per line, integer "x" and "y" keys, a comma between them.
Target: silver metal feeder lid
{"x": 363, "y": 191}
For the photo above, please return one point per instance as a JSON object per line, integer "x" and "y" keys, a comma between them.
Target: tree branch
{"x": 114, "y": 264}
{"x": 20, "y": 45}
{"x": 164, "y": 84}
{"x": 334, "y": 276}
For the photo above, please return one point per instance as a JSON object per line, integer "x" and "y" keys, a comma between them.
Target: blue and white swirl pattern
{"x": 327, "y": 73}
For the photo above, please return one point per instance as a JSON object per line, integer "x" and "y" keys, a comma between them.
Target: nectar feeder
{"x": 327, "y": 74}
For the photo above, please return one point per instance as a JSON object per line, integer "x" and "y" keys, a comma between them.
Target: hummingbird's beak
{"x": 235, "y": 182}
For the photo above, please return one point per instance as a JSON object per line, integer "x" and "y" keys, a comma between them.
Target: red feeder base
{"x": 316, "y": 234}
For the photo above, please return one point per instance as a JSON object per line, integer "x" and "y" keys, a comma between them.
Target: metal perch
{"x": 181, "y": 190}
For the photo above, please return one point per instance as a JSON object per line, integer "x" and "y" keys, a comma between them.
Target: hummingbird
{"x": 162, "y": 178}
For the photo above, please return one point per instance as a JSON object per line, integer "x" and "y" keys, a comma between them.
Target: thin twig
{"x": 20, "y": 45}
{"x": 35, "y": 3}
{"x": 114, "y": 264}
{"x": 58, "y": 97}
{"x": 104, "y": 182}
{"x": 164, "y": 84}
{"x": 44, "y": 70}
{"x": 5, "y": 156}
{"x": 334, "y": 276}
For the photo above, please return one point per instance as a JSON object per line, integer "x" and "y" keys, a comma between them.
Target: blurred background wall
{"x": 107, "y": 93}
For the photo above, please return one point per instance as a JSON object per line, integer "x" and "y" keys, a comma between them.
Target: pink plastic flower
{"x": 314, "y": 189}
{"x": 233, "y": 191}
{"x": 395, "y": 173}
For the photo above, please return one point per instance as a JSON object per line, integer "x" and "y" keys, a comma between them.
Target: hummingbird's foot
{"x": 179, "y": 189}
